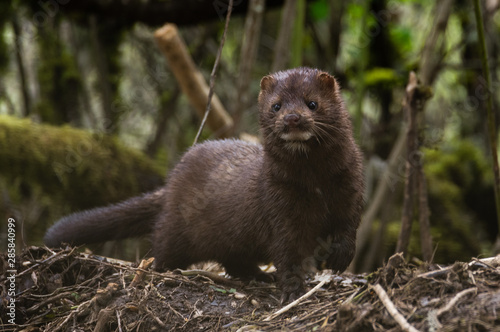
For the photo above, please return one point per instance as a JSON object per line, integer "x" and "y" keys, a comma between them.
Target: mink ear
{"x": 328, "y": 81}
{"x": 267, "y": 83}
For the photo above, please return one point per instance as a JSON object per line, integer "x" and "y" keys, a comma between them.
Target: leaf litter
{"x": 66, "y": 290}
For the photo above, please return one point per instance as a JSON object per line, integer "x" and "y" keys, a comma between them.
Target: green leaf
{"x": 377, "y": 76}
{"x": 219, "y": 289}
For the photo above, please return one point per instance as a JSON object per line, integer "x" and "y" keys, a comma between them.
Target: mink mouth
{"x": 296, "y": 141}
{"x": 296, "y": 136}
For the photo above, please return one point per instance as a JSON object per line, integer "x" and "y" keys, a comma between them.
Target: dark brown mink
{"x": 295, "y": 201}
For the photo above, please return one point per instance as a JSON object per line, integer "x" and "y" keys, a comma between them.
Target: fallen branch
{"x": 190, "y": 79}
{"x": 455, "y": 299}
{"x": 391, "y": 308}
{"x": 297, "y": 301}
{"x": 493, "y": 261}
{"x": 432, "y": 316}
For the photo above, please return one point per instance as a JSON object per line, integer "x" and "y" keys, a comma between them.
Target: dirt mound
{"x": 69, "y": 291}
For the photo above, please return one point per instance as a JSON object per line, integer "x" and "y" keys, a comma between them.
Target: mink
{"x": 296, "y": 200}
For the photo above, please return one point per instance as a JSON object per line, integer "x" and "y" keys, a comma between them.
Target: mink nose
{"x": 292, "y": 120}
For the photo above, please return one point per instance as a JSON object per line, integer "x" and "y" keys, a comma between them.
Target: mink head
{"x": 300, "y": 109}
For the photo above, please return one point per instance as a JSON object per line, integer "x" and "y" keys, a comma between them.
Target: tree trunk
{"x": 21, "y": 67}
{"x": 282, "y": 46}
{"x": 249, "y": 47}
{"x": 110, "y": 116}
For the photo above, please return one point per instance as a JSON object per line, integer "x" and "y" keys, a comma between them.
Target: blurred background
{"x": 91, "y": 113}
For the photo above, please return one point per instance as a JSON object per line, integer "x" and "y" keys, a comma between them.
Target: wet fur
{"x": 295, "y": 203}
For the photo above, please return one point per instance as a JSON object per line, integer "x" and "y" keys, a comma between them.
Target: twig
{"x": 432, "y": 315}
{"x": 61, "y": 325}
{"x": 214, "y": 70}
{"x": 49, "y": 300}
{"x": 490, "y": 261}
{"x": 411, "y": 148}
{"x": 130, "y": 268}
{"x": 297, "y": 301}
{"x": 139, "y": 275}
{"x": 436, "y": 273}
{"x": 60, "y": 253}
{"x": 455, "y": 299}
{"x": 191, "y": 80}
{"x": 118, "y": 318}
{"x": 176, "y": 312}
{"x": 391, "y": 308}
{"x": 158, "y": 320}
{"x": 495, "y": 261}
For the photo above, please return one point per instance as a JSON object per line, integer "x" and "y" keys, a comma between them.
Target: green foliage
{"x": 460, "y": 163}
{"x": 457, "y": 176}
{"x": 377, "y": 77}
{"x": 403, "y": 37}
{"x": 319, "y": 10}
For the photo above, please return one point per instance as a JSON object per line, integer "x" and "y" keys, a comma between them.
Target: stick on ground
{"x": 391, "y": 308}
{"x": 297, "y": 301}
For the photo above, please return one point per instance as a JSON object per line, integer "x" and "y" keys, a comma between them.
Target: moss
{"x": 83, "y": 169}
{"x": 460, "y": 188}
{"x": 459, "y": 180}
{"x": 47, "y": 171}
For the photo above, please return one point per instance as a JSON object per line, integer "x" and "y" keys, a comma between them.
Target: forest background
{"x": 91, "y": 114}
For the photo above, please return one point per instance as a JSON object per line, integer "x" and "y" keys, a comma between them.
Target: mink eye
{"x": 276, "y": 107}
{"x": 312, "y": 105}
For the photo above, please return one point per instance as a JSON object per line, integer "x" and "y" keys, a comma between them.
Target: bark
{"x": 282, "y": 47}
{"x": 21, "y": 67}
{"x": 410, "y": 168}
{"x": 164, "y": 114}
{"x": 336, "y": 13}
{"x": 431, "y": 59}
{"x": 111, "y": 117}
{"x": 423, "y": 210}
{"x": 415, "y": 99}
{"x": 249, "y": 47}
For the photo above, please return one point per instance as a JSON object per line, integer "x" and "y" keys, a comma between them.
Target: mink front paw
{"x": 292, "y": 289}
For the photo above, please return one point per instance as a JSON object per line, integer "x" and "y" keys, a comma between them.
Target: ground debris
{"x": 66, "y": 290}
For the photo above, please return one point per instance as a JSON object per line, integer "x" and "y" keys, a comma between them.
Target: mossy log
{"x": 80, "y": 168}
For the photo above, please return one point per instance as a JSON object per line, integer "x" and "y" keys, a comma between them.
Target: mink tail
{"x": 131, "y": 218}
